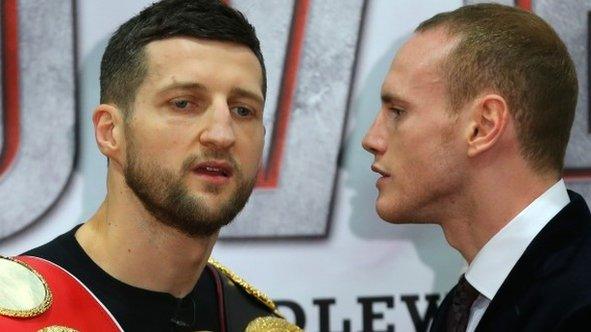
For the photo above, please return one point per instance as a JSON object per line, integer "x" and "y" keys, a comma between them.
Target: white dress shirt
{"x": 494, "y": 261}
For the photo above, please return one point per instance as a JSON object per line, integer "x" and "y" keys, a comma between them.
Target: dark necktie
{"x": 459, "y": 312}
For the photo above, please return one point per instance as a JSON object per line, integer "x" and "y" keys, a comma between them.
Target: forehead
{"x": 210, "y": 62}
{"x": 419, "y": 60}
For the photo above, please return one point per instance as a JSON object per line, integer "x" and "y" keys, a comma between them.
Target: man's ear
{"x": 109, "y": 131}
{"x": 489, "y": 118}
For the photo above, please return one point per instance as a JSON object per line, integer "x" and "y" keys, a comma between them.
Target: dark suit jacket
{"x": 549, "y": 288}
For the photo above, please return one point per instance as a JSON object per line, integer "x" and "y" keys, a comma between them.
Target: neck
{"x": 128, "y": 243}
{"x": 490, "y": 203}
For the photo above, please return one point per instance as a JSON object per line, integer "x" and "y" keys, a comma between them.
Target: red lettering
{"x": 10, "y": 84}
{"x": 523, "y": 4}
{"x": 269, "y": 176}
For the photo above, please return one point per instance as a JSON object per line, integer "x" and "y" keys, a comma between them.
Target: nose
{"x": 218, "y": 133}
{"x": 374, "y": 141}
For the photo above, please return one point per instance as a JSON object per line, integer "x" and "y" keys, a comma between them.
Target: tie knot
{"x": 462, "y": 300}
{"x": 465, "y": 292}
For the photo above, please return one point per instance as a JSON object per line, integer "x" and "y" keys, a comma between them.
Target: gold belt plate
{"x": 23, "y": 291}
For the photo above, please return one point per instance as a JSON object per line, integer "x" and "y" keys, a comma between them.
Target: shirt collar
{"x": 494, "y": 261}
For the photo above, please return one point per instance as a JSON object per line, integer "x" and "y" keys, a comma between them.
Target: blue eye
{"x": 181, "y": 103}
{"x": 242, "y": 111}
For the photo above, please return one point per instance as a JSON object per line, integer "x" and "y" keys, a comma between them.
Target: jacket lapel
{"x": 439, "y": 323}
{"x": 549, "y": 252}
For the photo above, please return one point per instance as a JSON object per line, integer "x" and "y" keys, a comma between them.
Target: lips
{"x": 214, "y": 169}
{"x": 379, "y": 170}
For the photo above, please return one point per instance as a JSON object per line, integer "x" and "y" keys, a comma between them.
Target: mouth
{"x": 380, "y": 171}
{"x": 214, "y": 171}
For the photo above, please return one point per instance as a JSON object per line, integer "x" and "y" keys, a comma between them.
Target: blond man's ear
{"x": 489, "y": 119}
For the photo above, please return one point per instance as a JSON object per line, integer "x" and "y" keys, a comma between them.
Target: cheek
{"x": 257, "y": 150}
{"x": 402, "y": 155}
{"x": 251, "y": 151}
{"x": 168, "y": 151}
{"x": 162, "y": 147}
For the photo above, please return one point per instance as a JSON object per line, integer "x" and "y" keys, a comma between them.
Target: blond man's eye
{"x": 242, "y": 111}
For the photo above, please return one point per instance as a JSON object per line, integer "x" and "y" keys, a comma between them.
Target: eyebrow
{"x": 240, "y": 92}
{"x": 185, "y": 86}
{"x": 388, "y": 98}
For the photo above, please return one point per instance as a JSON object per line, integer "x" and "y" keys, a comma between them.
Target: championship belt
{"x": 38, "y": 295}
{"x": 245, "y": 307}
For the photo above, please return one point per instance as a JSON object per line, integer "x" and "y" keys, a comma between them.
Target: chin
{"x": 394, "y": 214}
{"x": 392, "y": 218}
{"x": 387, "y": 214}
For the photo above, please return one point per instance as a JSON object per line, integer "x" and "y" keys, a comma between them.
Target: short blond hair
{"x": 519, "y": 56}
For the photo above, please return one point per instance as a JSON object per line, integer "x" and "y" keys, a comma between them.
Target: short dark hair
{"x": 518, "y": 55}
{"x": 123, "y": 66}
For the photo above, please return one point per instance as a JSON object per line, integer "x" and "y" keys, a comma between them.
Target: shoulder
{"x": 46, "y": 295}
{"x": 248, "y": 308}
{"x": 55, "y": 248}
{"x": 245, "y": 286}
{"x": 578, "y": 317}
{"x": 62, "y": 250}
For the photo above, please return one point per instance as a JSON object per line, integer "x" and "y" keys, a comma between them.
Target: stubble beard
{"x": 164, "y": 194}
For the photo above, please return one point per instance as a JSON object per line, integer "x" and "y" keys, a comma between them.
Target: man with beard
{"x": 476, "y": 113}
{"x": 183, "y": 87}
